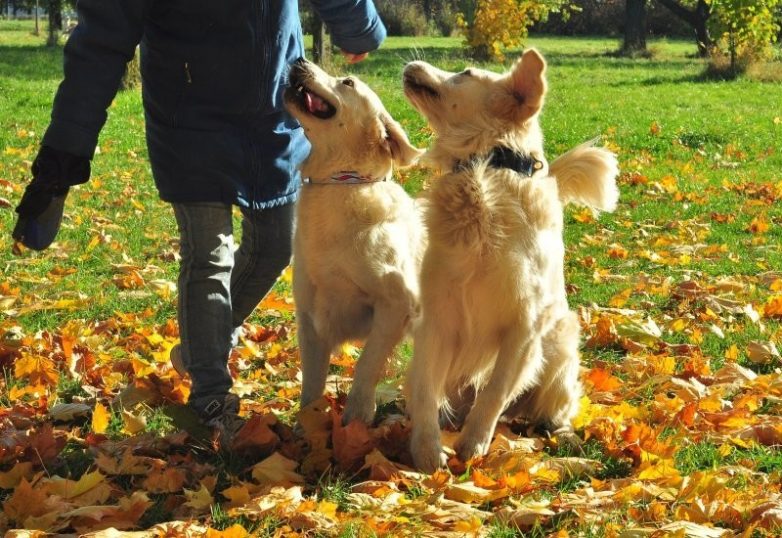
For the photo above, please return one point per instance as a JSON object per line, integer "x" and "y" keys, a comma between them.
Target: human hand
{"x": 354, "y": 58}
{"x": 40, "y": 210}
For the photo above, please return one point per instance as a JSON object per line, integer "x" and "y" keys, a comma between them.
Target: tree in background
{"x": 696, "y": 13}
{"x": 745, "y": 31}
{"x": 635, "y": 28}
{"x": 491, "y": 26}
{"x": 54, "y": 7}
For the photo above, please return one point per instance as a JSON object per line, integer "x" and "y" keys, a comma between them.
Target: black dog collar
{"x": 504, "y": 157}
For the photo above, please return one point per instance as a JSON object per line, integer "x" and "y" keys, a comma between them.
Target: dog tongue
{"x": 314, "y": 103}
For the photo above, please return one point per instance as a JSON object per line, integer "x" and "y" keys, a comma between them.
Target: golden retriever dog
{"x": 495, "y": 318}
{"x": 359, "y": 237}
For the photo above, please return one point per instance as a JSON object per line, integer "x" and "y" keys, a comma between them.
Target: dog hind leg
{"x": 554, "y": 401}
{"x": 516, "y": 368}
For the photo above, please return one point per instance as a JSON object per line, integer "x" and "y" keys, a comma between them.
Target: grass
{"x": 700, "y": 166}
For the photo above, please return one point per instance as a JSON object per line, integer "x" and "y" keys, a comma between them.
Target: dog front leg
{"x": 315, "y": 352}
{"x": 426, "y": 380}
{"x": 389, "y": 322}
{"x": 517, "y": 367}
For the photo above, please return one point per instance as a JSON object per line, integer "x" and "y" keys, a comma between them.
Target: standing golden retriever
{"x": 359, "y": 237}
{"x": 495, "y": 316}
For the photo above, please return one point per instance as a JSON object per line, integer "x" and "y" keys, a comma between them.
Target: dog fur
{"x": 357, "y": 247}
{"x": 495, "y": 317}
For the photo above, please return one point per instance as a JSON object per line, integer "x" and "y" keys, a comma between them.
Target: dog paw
{"x": 469, "y": 446}
{"x": 362, "y": 409}
{"x": 428, "y": 458}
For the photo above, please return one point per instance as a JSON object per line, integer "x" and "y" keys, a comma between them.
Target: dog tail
{"x": 587, "y": 175}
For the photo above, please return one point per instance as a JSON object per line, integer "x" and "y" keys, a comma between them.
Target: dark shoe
{"x": 222, "y": 415}
{"x": 175, "y": 356}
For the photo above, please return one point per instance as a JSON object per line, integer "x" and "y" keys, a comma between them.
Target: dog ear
{"x": 528, "y": 83}
{"x": 394, "y": 140}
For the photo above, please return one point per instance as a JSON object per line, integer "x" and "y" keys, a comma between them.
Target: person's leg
{"x": 264, "y": 252}
{"x": 204, "y": 303}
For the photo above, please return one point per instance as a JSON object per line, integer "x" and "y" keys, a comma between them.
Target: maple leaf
{"x": 37, "y": 369}
{"x": 124, "y": 515}
{"x": 234, "y": 531}
{"x": 199, "y": 499}
{"x": 277, "y": 470}
{"x": 168, "y": 480}
{"x": 26, "y": 501}
{"x": 602, "y": 380}
{"x": 256, "y": 436}
{"x": 100, "y": 418}
{"x": 351, "y": 443}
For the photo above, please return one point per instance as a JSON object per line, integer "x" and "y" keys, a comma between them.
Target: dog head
{"x": 474, "y": 110}
{"x": 346, "y": 123}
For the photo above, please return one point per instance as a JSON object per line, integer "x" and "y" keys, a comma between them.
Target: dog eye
{"x": 348, "y": 82}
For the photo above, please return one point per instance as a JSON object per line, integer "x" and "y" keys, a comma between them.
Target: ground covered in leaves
{"x": 678, "y": 295}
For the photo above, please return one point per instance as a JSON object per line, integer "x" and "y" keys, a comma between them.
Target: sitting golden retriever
{"x": 495, "y": 317}
{"x": 359, "y": 238}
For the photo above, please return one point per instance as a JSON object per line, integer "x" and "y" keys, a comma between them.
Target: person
{"x": 218, "y": 136}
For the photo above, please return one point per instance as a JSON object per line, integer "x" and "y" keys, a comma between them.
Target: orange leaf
{"x": 351, "y": 443}
{"x": 37, "y": 369}
{"x": 255, "y": 435}
{"x": 602, "y": 380}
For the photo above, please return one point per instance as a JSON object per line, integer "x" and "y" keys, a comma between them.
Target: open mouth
{"x": 413, "y": 85}
{"x": 312, "y": 103}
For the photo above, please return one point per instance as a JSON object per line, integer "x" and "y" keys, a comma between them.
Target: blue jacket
{"x": 212, "y": 73}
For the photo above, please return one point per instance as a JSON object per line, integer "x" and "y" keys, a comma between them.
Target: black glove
{"x": 40, "y": 210}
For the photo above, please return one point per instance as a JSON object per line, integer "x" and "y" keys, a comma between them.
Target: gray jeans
{"x": 220, "y": 285}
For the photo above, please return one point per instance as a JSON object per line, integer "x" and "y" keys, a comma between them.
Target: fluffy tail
{"x": 587, "y": 175}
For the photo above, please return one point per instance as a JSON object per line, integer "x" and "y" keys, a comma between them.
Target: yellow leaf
{"x": 199, "y": 499}
{"x": 37, "y": 369}
{"x": 133, "y": 424}
{"x": 620, "y": 299}
{"x": 277, "y": 470}
{"x": 584, "y": 216}
{"x": 732, "y": 353}
{"x": 100, "y": 418}
{"x": 470, "y": 525}
{"x": 234, "y": 531}
{"x": 661, "y": 469}
{"x": 237, "y": 495}
{"x": 69, "y": 489}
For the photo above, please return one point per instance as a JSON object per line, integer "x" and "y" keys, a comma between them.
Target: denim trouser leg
{"x": 264, "y": 252}
{"x": 219, "y": 286}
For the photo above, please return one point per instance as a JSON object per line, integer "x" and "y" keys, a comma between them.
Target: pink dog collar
{"x": 344, "y": 177}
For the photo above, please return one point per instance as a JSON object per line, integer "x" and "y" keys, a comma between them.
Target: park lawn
{"x": 677, "y": 291}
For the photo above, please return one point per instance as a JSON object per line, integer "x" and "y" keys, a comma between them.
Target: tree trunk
{"x": 635, "y": 27}
{"x": 37, "y": 22}
{"x": 428, "y": 10}
{"x": 698, "y": 18}
{"x": 55, "y": 22}
{"x": 321, "y": 52}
